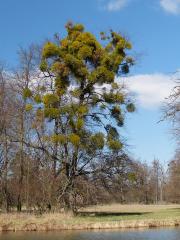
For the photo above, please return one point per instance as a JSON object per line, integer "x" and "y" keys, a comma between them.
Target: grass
{"x": 96, "y": 217}
{"x": 116, "y": 212}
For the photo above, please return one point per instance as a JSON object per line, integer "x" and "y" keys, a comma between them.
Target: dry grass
{"x": 131, "y": 208}
{"x": 96, "y": 217}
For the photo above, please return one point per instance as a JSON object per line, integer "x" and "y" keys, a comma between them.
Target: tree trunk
{"x": 21, "y": 174}
{"x": 5, "y": 178}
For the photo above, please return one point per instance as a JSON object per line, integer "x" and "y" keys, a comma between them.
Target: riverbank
{"x": 100, "y": 217}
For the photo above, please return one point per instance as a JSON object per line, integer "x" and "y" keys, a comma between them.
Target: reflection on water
{"x": 153, "y": 234}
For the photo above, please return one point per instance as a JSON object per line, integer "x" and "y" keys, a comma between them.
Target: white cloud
{"x": 171, "y": 6}
{"x": 150, "y": 90}
{"x": 113, "y": 5}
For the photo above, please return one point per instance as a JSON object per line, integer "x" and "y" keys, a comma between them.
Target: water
{"x": 153, "y": 234}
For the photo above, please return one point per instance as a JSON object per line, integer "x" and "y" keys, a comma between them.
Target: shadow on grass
{"x": 111, "y": 214}
{"x": 172, "y": 209}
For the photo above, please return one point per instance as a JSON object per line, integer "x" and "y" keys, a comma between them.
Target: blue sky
{"x": 151, "y": 25}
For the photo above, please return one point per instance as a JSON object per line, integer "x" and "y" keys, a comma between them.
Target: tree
{"x": 172, "y": 109}
{"x": 79, "y": 103}
{"x": 4, "y": 146}
{"x": 117, "y": 176}
{"x": 171, "y": 112}
{"x": 173, "y": 183}
{"x": 8, "y": 120}
{"x": 22, "y": 77}
{"x": 157, "y": 180}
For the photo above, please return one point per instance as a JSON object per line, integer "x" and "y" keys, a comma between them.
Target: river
{"x": 152, "y": 234}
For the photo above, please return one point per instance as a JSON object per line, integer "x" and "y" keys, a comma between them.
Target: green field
{"x": 116, "y": 212}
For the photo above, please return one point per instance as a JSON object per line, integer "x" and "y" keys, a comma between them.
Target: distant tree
{"x": 77, "y": 104}
{"x": 157, "y": 181}
{"x": 173, "y": 183}
{"x": 118, "y": 176}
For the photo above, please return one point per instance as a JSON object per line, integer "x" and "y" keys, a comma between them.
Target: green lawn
{"x": 116, "y": 212}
